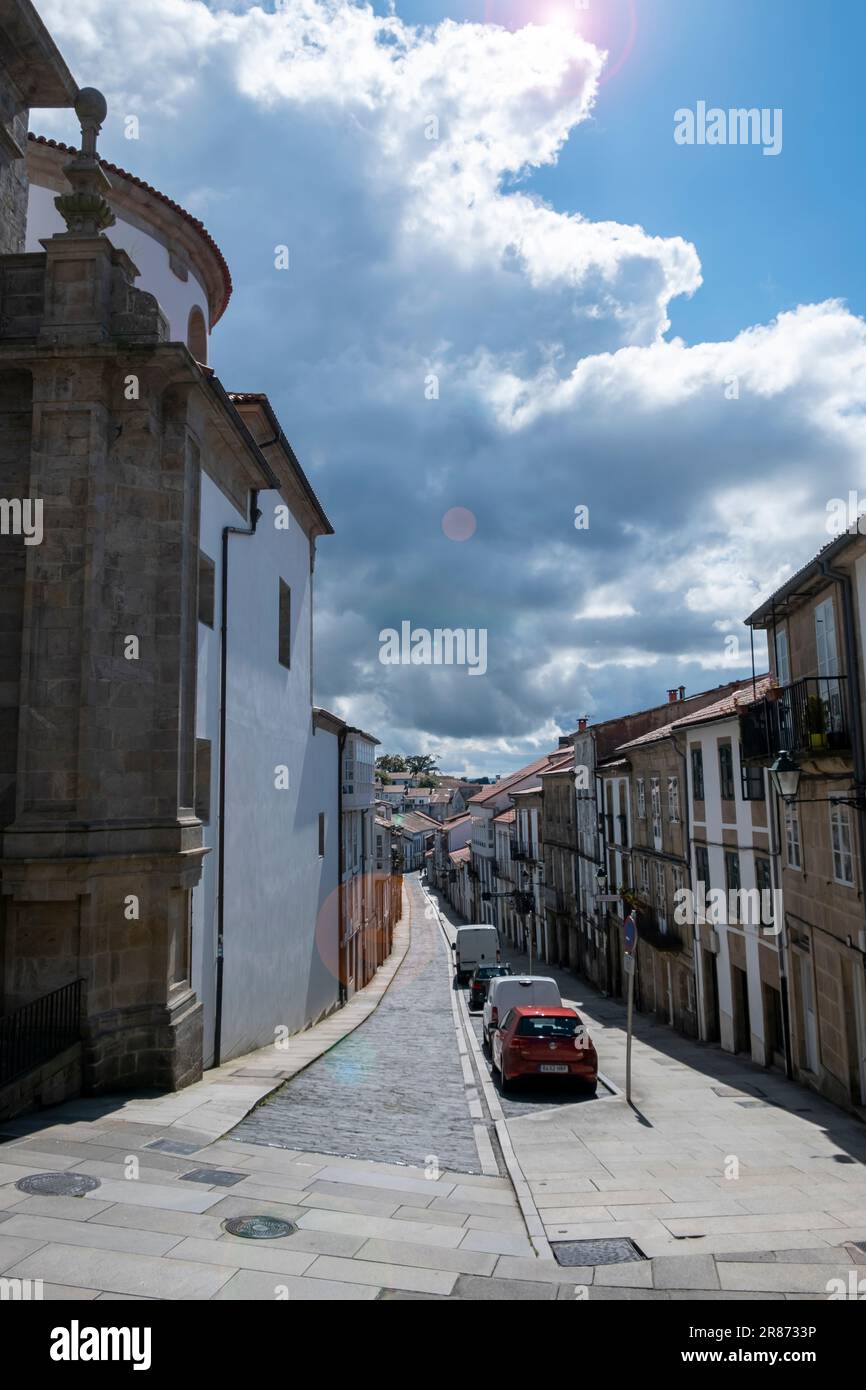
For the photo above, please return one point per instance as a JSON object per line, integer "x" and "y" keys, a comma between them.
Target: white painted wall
{"x": 176, "y": 297}
{"x": 707, "y": 738}
{"x": 281, "y": 945}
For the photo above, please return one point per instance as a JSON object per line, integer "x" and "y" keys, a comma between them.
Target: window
{"x": 840, "y": 837}
{"x": 698, "y": 773}
{"x": 762, "y": 874}
{"x": 751, "y": 781}
{"x": 661, "y": 896}
{"x": 792, "y": 836}
{"x": 764, "y": 884}
{"x": 674, "y": 799}
{"x": 656, "y": 803}
{"x": 644, "y": 877}
{"x": 285, "y": 634}
{"x": 202, "y": 779}
{"x": 196, "y": 334}
{"x": 641, "y": 798}
{"x": 206, "y": 573}
{"x": 322, "y": 834}
{"x": 679, "y": 881}
{"x": 732, "y": 871}
{"x": 702, "y": 866}
{"x": 726, "y": 771}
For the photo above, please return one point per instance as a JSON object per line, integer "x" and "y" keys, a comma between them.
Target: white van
{"x": 475, "y": 945}
{"x": 512, "y": 991}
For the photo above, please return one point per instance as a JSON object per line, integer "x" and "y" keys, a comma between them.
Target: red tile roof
{"x": 725, "y": 708}
{"x": 490, "y": 793}
{"x": 459, "y": 854}
{"x": 163, "y": 198}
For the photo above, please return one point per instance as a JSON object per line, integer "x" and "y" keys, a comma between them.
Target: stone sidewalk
{"x": 726, "y": 1176}
{"x": 153, "y": 1225}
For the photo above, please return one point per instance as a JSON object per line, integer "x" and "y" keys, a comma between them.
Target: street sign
{"x": 608, "y": 897}
{"x": 629, "y": 929}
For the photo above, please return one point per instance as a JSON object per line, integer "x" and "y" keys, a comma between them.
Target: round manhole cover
{"x": 57, "y": 1184}
{"x": 259, "y": 1227}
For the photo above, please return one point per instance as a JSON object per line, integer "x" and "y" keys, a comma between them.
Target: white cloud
{"x": 707, "y": 467}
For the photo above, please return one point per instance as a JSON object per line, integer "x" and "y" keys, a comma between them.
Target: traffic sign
{"x": 629, "y": 928}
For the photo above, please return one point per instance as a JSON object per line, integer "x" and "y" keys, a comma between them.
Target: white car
{"x": 512, "y": 991}
{"x": 475, "y": 945}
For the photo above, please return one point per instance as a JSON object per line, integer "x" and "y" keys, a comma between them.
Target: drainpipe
{"x": 254, "y": 515}
{"x": 343, "y": 965}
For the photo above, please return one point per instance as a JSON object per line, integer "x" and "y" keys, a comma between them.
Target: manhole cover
{"x": 216, "y": 1177}
{"x": 57, "y": 1184}
{"x": 726, "y": 1092}
{"x": 259, "y": 1227}
{"x": 754, "y": 1104}
{"x": 617, "y": 1251}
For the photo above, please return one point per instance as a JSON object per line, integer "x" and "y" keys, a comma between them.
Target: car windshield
{"x": 486, "y": 972}
{"x": 539, "y": 1026}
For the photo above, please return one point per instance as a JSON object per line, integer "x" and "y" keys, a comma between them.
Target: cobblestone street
{"x": 394, "y": 1090}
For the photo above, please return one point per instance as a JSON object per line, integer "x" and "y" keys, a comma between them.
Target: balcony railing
{"x": 518, "y": 851}
{"x": 807, "y": 717}
{"x": 40, "y": 1030}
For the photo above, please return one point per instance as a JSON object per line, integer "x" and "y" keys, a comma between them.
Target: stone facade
{"x": 816, "y": 632}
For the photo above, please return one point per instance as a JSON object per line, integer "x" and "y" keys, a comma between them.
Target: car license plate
{"x": 553, "y": 1066}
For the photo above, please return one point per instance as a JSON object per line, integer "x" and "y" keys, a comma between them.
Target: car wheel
{"x": 485, "y": 1039}
{"x": 505, "y": 1080}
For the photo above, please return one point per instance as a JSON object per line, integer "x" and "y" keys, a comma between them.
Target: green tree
{"x": 421, "y": 764}
{"x": 391, "y": 762}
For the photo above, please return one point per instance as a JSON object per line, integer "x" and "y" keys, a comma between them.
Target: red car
{"x": 543, "y": 1041}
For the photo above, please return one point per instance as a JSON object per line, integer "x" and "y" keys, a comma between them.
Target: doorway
{"x": 742, "y": 1022}
{"x": 712, "y": 1021}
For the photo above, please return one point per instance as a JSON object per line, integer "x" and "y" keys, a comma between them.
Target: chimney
{"x": 565, "y": 740}
{"x": 682, "y": 692}
{"x": 581, "y": 725}
{"x": 672, "y": 696}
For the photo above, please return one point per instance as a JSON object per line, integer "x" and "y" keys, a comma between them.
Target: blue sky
{"x": 584, "y": 288}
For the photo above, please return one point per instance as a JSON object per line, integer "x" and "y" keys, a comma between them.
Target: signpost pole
{"x": 629, "y": 961}
{"x": 630, "y": 966}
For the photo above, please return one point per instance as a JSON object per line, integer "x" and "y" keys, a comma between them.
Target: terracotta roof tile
{"x": 163, "y": 198}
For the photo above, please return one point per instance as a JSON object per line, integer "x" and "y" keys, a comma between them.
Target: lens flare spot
{"x": 459, "y": 524}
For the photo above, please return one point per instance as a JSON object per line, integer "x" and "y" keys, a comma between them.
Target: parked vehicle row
{"x": 526, "y": 1028}
{"x": 475, "y": 945}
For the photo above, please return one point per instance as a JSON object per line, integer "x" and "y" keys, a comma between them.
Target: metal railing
{"x": 808, "y": 716}
{"x": 38, "y": 1031}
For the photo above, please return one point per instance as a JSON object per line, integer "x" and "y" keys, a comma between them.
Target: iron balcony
{"x": 809, "y": 717}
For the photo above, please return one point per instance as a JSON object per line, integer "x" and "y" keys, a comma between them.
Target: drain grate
{"x": 57, "y": 1184}
{"x": 217, "y": 1177}
{"x": 173, "y": 1146}
{"x": 754, "y": 1104}
{"x": 259, "y": 1227}
{"x": 616, "y": 1251}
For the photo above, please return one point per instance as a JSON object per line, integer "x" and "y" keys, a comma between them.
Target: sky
{"x": 512, "y": 293}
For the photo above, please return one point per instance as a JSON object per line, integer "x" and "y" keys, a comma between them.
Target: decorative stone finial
{"x": 85, "y": 210}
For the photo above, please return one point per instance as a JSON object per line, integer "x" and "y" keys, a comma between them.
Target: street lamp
{"x": 786, "y": 776}
{"x": 601, "y": 880}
